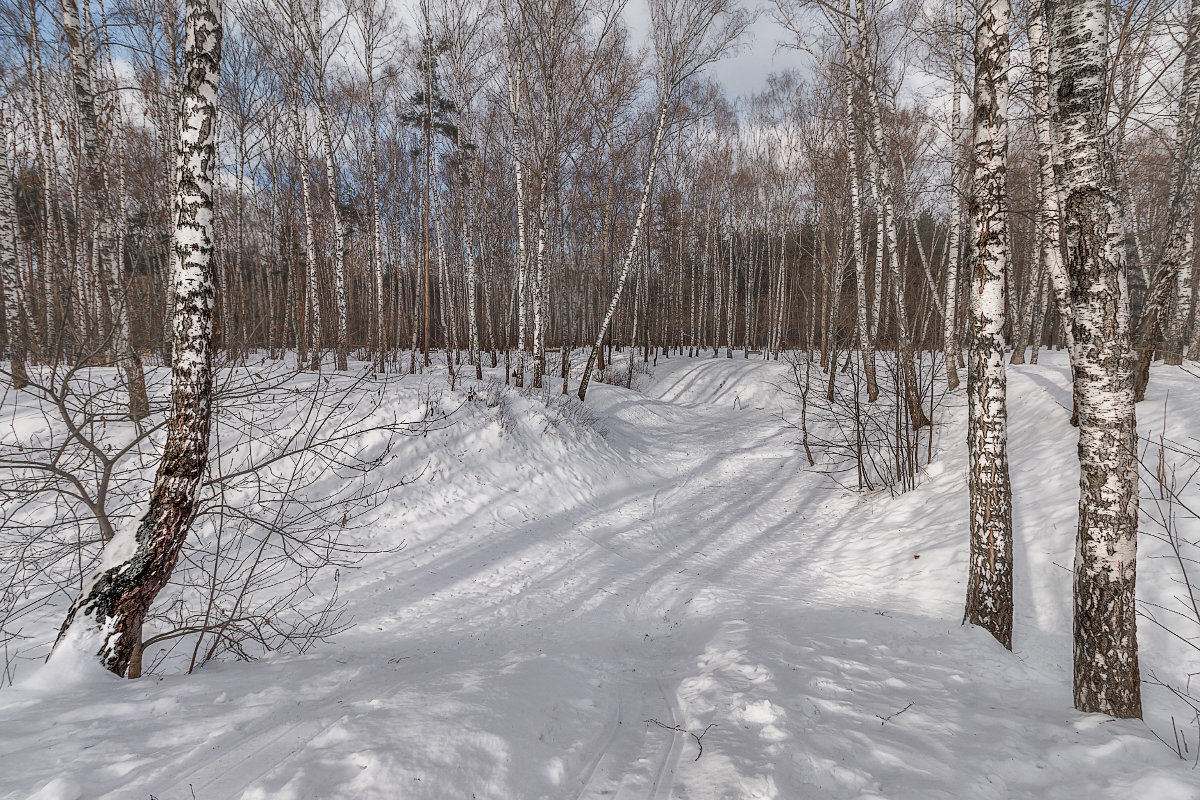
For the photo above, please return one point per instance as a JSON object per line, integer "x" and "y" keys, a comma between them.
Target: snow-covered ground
{"x": 582, "y": 604}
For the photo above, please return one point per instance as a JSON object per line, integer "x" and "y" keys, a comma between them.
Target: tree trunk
{"x": 950, "y": 343}
{"x": 1106, "y": 675}
{"x": 990, "y": 581}
{"x": 10, "y": 268}
{"x": 134, "y": 567}
{"x": 631, "y": 253}
{"x": 1176, "y": 262}
{"x": 128, "y": 362}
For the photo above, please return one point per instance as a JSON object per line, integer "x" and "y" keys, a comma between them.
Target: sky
{"x": 745, "y": 71}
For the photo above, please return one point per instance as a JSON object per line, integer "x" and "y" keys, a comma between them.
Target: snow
{"x": 570, "y": 579}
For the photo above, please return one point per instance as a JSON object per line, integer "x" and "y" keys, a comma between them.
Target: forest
{"x": 483, "y": 398}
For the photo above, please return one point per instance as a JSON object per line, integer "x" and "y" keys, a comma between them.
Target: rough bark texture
{"x": 1107, "y": 678}
{"x": 990, "y": 581}
{"x": 135, "y": 566}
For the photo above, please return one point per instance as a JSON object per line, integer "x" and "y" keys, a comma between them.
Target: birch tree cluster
{"x": 474, "y": 179}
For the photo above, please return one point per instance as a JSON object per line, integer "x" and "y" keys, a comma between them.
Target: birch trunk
{"x": 107, "y": 617}
{"x": 1175, "y": 265}
{"x": 379, "y": 325}
{"x": 514, "y": 105}
{"x": 990, "y": 580}
{"x": 1106, "y": 674}
{"x": 10, "y": 267}
{"x": 339, "y": 237}
{"x": 950, "y": 343}
{"x": 729, "y": 286}
{"x": 1049, "y": 212}
{"x": 631, "y": 253}
{"x": 104, "y": 257}
{"x": 886, "y": 211}
{"x": 864, "y": 330}
{"x": 310, "y": 242}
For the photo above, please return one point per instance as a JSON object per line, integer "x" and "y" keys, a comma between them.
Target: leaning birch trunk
{"x": 128, "y": 362}
{"x": 1175, "y": 264}
{"x": 631, "y": 252}
{"x": 10, "y": 268}
{"x": 990, "y": 581}
{"x": 950, "y": 344}
{"x": 1106, "y": 674}
{"x": 107, "y": 617}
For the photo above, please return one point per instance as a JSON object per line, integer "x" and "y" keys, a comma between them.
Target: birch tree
{"x": 104, "y": 244}
{"x": 1106, "y": 674}
{"x": 687, "y": 36}
{"x": 1174, "y": 270}
{"x": 990, "y": 579}
{"x": 136, "y": 564}
{"x": 1049, "y": 213}
{"x": 10, "y": 266}
{"x": 950, "y": 344}
{"x": 321, "y": 41}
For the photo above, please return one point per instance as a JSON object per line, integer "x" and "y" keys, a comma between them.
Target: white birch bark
{"x": 514, "y": 106}
{"x": 310, "y": 241}
{"x": 129, "y": 364}
{"x": 864, "y": 327}
{"x": 1106, "y": 674}
{"x": 335, "y": 214}
{"x": 631, "y": 252}
{"x": 989, "y": 601}
{"x": 10, "y": 267}
{"x": 1049, "y": 213}
{"x": 950, "y": 343}
{"x": 135, "y": 565}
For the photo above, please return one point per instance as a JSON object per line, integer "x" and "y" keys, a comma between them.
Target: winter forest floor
{"x": 581, "y": 604}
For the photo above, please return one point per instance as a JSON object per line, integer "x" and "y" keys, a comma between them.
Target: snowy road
{"x": 548, "y": 614}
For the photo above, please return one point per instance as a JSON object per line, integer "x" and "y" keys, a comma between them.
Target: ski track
{"x": 712, "y": 579}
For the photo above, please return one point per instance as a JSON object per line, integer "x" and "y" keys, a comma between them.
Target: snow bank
{"x": 589, "y": 596}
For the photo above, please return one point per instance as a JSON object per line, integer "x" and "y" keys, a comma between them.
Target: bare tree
{"x": 10, "y": 267}
{"x": 105, "y": 253}
{"x": 107, "y": 616}
{"x": 688, "y": 35}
